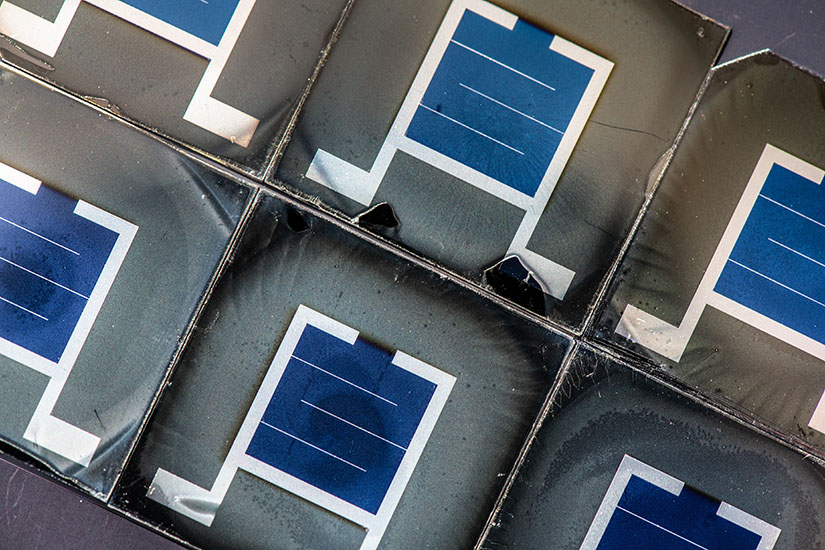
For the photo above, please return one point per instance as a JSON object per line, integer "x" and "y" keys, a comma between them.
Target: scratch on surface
{"x": 784, "y": 40}
{"x": 97, "y": 415}
{"x": 21, "y": 492}
{"x": 6, "y": 498}
{"x": 8, "y": 505}
{"x": 599, "y": 228}
{"x": 625, "y": 129}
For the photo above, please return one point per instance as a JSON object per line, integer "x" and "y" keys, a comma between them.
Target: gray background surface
{"x": 792, "y": 27}
{"x": 41, "y": 514}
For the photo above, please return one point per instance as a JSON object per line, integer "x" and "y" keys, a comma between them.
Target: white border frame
{"x": 45, "y": 430}
{"x": 204, "y": 111}
{"x": 361, "y": 186}
{"x": 202, "y": 504}
{"x": 630, "y": 467}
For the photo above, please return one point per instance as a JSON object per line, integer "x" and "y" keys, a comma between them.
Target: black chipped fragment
{"x": 511, "y": 279}
{"x": 380, "y": 216}
{"x": 296, "y": 221}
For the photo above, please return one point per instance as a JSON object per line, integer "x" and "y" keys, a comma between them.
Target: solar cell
{"x": 768, "y": 268}
{"x": 767, "y": 271}
{"x": 776, "y": 267}
{"x": 58, "y": 259}
{"x": 208, "y": 28}
{"x": 50, "y": 261}
{"x": 338, "y": 421}
{"x": 498, "y": 103}
{"x": 647, "y": 509}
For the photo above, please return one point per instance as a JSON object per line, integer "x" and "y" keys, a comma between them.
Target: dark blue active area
{"x": 500, "y": 101}
{"x": 50, "y": 261}
{"x": 206, "y": 19}
{"x": 342, "y": 418}
{"x": 777, "y": 267}
{"x": 650, "y": 518}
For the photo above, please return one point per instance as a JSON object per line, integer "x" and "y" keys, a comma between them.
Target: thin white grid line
{"x": 482, "y": 134}
{"x": 496, "y": 61}
{"x": 344, "y": 420}
{"x": 777, "y": 282}
{"x": 55, "y": 283}
{"x": 525, "y": 115}
{"x": 24, "y": 309}
{"x": 38, "y": 235}
{"x": 347, "y": 462}
{"x": 800, "y": 214}
{"x": 788, "y": 248}
{"x": 660, "y": 527}
{"x": 345, "y": 381}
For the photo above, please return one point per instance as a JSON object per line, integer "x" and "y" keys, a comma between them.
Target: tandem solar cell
{"x": 497, "y": 103}
{"x": 207, "y": 28}
{"x": 58, "y": 256}
{"x": 58, "y": 259}
{"x": 646, "y": 508}
{"x": 776, "y": 267}
{"x": 338, "y": 421}
{"x": 50, "y": 261}
{"x": 768, "y": 267}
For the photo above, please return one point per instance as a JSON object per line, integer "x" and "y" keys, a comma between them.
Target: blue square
{"x": 342, "y": 418}
{"x": 648, "y": 517}
{"x": 50, "y": 262}
{"x": 206, "y": 19}
{"x": 500, "y": 101}
{"x": 777, "y": 266}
